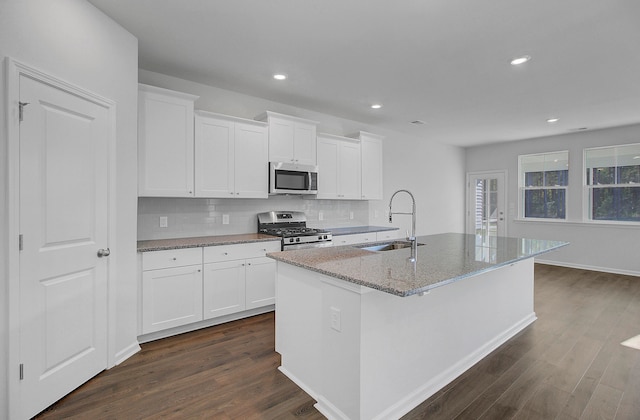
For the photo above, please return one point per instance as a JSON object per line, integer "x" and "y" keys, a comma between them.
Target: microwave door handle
{"x": 309, "y": 184}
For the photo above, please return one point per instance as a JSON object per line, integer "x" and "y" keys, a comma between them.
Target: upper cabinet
{"x": 371, "y": 164}
{"x": 291, "y": 139}
{"x": 165, "y": 142}
{"x": 231, "y": 157}
{"x": 338, "y": 167}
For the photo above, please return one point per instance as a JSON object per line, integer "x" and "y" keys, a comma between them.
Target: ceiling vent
{"x": 418, "y": 122}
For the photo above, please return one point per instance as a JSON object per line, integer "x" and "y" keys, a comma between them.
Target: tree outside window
{"x": 543, "y": 182}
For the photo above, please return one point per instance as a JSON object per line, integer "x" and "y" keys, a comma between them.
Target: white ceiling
{"x": 445, "y": 62}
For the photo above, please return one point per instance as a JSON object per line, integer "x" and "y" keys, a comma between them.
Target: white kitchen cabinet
{"x": 223, "y": 288}
{"x": 291, "y": 139}
{"x": 387, "y": 235}
{"x": 238, "y": 277}
{"x": 231, "y": 157}
{"x": 260, "y": 277}
{"x": 358, "y": 238}
{"x": 338, "y": 167}
{"x": 165, "y": 142}
{"x": 171, "y": 289}
{"x": 371, "y": 165}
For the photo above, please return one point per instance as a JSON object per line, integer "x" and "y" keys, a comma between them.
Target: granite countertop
{"x": 359, "y": 229}
{"x": 194, "y": 242}
{"x": 443, "y": 259}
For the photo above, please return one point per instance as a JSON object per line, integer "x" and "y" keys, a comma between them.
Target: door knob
{"x": 104, "y": 252}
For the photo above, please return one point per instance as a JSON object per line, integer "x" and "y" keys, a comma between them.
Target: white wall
{"x": 72, "y": 40}
{"x": 433, "y": 172}
{"x": 602, "y": 247}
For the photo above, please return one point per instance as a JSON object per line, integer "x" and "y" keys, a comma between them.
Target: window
{"x": 613, "y": 182}
{"x": 543, "y": 180}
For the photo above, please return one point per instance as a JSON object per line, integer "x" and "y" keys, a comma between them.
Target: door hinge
{"x": 20, "y": 242}
{"x": 21, "y": 371}
{"x": 21, "y": 110}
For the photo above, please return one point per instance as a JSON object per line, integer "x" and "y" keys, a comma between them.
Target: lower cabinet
{"x": 184, "y": 286}
{"x": 361, "y": 238}
{"x": 171, "y": 297}
{"x": 260, "y": 282}
{"x": 224, "y": 288}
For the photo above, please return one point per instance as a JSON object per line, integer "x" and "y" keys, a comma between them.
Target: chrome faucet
{"x": 412, "y": 238}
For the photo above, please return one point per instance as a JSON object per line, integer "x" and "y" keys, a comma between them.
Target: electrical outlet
{"x": 320, "y": 215}
{"x": 225, "y": 219}
{"x": 336, "y": 320}
{"x": 164, "y": 221}
{"x": 351, "y": 215}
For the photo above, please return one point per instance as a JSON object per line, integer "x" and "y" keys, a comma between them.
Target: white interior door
{"x": 63, "y": 220}
{"x": 486, "y": 205}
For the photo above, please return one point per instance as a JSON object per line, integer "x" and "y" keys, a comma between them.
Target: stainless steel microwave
{"x": 291, "y": 178}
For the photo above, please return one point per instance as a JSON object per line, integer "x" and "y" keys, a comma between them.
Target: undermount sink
{"x": 389, "y": 246}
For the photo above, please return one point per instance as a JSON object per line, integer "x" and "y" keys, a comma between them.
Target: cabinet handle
{"x": 237, "y": 193}
{"x": 231, "y": 193}
{"x": 226, "y": 253}
{"x": 198, "y": 270}
{"x": 242, "y": 264}
{"x": 174, "y": 258}
{"x": 248, "y": 263}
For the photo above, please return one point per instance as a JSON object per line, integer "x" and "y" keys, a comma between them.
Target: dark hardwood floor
{"x": 568, "y": 365}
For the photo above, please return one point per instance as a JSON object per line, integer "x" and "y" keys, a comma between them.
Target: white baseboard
{"x": 145, "y": 338}
{"x": 127, "y": 352}
{"x": 298, "y": 382}
{"x": 590, "y": 268}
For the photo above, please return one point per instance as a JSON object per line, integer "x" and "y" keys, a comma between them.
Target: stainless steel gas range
{"x": 291, "y": 226}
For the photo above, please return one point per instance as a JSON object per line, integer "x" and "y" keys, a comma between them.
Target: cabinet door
{"x": 165, "y": 140}
{"x": 349, "y": 171}
{"x": 171, "y": 297}
{"x": 214, "y": 158}
{"x": 251, "y": 161}
{"x": 328, "y": 151}
{"x": 281, "y": 134}
{"x": 260, "y": 282}
{"x": 304, "y": 144}
{"x": 371, "y": 154}
{"x": 224, "y": 288}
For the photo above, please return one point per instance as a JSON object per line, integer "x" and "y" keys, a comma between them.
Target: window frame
{"x": 522, "y": 188}
{"x": 587, "y": 189}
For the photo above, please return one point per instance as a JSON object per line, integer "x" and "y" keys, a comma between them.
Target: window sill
{"x": 592, "y": 223}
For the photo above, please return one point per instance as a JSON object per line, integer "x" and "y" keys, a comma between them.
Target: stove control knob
{"x": 325, "y": 236}
{"x": 320, "y": 237}
{"x": 297, "y": 239}
{"x": 291, "y": 240}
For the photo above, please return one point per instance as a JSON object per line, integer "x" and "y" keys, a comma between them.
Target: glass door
{"x": 486, "y": 205}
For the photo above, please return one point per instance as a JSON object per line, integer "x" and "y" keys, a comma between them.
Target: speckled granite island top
{"x": 194, "y": 242}
{"x": 443, "y": 259}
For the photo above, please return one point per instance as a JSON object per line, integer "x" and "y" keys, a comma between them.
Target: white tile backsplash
{"x": 203, "y": 216}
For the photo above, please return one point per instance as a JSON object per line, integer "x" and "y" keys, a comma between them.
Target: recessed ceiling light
{"x": 552, "y": 120}
{"x": 520, "y": 60}
{"x": 376, "y": 106}
{"x": 280, "y": 76}
{"x": 636, "y": 157}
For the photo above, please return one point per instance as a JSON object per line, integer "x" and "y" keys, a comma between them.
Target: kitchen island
{"x": 370, "y": 334}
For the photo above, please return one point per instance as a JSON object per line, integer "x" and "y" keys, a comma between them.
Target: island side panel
{"x": 412, "y": 347}
{"x": 392, "y": 353}
{"x": 299, "y": 326}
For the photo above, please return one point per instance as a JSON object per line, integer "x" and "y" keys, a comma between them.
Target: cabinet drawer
{"x": 358, "y": 238}
{"x": 239, "y": 251}
{"x": 387, "y": 234}
{"x": 154, "y": 260}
